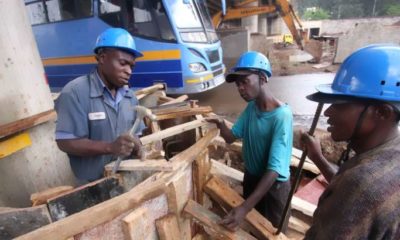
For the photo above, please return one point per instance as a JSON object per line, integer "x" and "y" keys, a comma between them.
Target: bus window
{"x": 150, "y": 20}
{"x": 45, "y": 11}
{"x": 110, "y": 12}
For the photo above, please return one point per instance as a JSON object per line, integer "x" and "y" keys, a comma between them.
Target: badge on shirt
{"x": 97, "y": 115}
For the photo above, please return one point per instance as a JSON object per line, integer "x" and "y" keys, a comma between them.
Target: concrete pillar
{"x": 24, "y": 93}
{"x": 262, "y": 24}
{"x": 251, "y": 23}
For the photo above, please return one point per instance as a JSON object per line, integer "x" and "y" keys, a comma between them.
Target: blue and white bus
{"x": 180, "y": 46}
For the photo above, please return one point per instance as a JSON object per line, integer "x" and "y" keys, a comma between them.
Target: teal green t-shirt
{"x": 267, "y": 139}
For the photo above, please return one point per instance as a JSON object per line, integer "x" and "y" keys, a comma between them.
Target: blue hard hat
{"x": 117, "y": 38}
{"x": 372, "y": 72}
{"x": 250, "y": 62}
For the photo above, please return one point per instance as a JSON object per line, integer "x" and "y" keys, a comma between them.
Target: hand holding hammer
{"x": 141, "y": 112}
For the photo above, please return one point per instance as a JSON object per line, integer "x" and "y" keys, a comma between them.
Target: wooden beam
{"x": 101, "y": 213}
{"x": 221, "y": 169}
{"x": 166, "y": 109}
{"x": 168, "y": 228}
{"x": 303, "y": 206}
{"x": 39, "y": 198}
{"x": 187, "y": 112}
{"x": 177, "y": 100}
{"x": 228, "y": 198}
{"x": 201, "y": 169}
{"x": 298, "y": 225}
{"x": 133, "y": 221}
{"x": 147, "y": 165}
{"x": 173, "y": 131}
{"x": 311, "y": 167}
{"x": 210, "y": 220}
{"x": 148, "y": 90}
{"x": 17, "y": 221}
{"x": 25, "y": 123}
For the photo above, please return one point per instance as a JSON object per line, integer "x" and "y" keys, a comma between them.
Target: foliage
{"x": 393, "y": 10}
{"x": 339, "y": 9}
{"x": 316, "y": 14}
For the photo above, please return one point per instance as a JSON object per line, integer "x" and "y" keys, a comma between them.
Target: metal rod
{"x": 299, "y": 168}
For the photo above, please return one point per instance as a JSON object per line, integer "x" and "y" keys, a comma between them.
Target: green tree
{"x": 316, "y": 14}
{"x": 393, "y": 10}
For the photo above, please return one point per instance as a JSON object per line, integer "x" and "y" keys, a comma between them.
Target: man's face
{"x": 248, "y": 86}
{"x": 342, "y": 120}
{"x": 117, "y": 67}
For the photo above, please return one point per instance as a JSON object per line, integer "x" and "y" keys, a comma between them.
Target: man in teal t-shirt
{"x": 267, "y": 132}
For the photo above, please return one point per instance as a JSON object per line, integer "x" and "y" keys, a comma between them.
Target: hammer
{"x": 141, "y": 112}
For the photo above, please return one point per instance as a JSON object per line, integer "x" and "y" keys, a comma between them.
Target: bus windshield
{"x": 184, "y": 14}
{"x": 193, "y": 20}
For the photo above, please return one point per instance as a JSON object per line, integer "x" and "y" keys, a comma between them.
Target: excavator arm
{"x": 283, "y": 7}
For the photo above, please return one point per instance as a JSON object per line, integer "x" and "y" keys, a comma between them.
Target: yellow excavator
{"x": 283, "y": 7}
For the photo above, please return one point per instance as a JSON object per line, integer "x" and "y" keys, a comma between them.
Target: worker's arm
{"x": 225, "y": 132}
{"x": 314, "y": 152}
{"x": 124, "y": 145}
{"x": 236, "y": 216}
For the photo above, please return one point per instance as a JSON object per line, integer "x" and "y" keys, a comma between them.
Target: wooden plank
{"x": 228, "y": 198}
{"x": 14, "y": 143}
{"x": 177, "y": 100}
{"x": 83, "y": 197}
{"x": 174, "y": 131}
{"x": 25, "y": 123}
{"x": 132, "y": 221}
{"x": 201, "y": 169}
{"x": 98, "y": 214}
{"x": 306, "y": 166}
{"x": 168, "y": 228}
{"x": 298, "y": 225}
{"x": 39, "y": 198}
{"x": 189, "y": 112}
{"x": 148, "y": 90}
{"x": 201, "y": 236}
{"x": 303, "y": 206}
{"x": 210, "y": 220}
{"x": 17, "y": 221}
{"x": 221, "y": 169}
{"x": 166, "y": 109}
{"x": 147, "y": 165}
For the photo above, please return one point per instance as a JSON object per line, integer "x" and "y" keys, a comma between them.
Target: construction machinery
{"x": 243, "y": 9}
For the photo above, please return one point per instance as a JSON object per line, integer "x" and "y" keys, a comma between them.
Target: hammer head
{"x": 142, "y": 112}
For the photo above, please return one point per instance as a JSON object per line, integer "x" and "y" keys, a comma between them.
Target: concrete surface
{"x": 226, "y": 101}
{"x": 364, "y": 34}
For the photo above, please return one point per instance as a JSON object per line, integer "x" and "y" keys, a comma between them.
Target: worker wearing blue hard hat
{"x": 95, "y": 111}
{"x": 265, "y": 127}
{"x": 362, "y": 199}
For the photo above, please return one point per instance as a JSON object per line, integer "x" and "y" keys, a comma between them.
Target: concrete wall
{"x": 364, "y": 34}
{"x": 234, "y": 42}
{"x": 24, "y": 92}
{"x": 337, "y": 27}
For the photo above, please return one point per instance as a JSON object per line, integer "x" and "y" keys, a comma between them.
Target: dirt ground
{"x": 284, "y": 61}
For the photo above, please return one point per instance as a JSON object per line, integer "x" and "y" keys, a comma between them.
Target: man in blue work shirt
{"x": 96, "y": 111}
{"x": 267, "y": 132}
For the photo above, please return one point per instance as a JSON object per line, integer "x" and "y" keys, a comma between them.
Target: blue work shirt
{"x": 267, "y": 139}
{"x": 86, "y": 109}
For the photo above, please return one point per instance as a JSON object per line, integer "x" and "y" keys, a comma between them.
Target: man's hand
{"x": 124, "y": 145}
{"x": 312, "y": 145}
{"x": 215, "y": 119}
{"x": 234, "y": 218}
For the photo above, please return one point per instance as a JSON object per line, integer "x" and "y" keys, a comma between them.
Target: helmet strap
{"x": 345, "y": 154}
